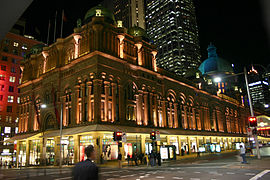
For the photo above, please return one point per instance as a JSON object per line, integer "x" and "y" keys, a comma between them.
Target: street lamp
{"x": 219, "y": 79}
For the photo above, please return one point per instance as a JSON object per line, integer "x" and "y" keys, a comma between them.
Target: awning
{"x": 20, "y": 137}
{"x": 130, "y": 129}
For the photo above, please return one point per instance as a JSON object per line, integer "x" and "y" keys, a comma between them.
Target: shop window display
{"x": 68, "y": 150}
{"x": 84, "y": 142}
{"x": 109, "y": 149}
{"x": 34, "y": 158}
{"x": 50, "y": 155}
{"x": 22, "y": 153}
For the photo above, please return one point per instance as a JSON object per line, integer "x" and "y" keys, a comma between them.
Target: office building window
{"x": 18, "y": 100}
{"x": 9, "y": 108}
{"x": 10, "y": 99}
{"x": 15, "y": 44}
{"x": 4, "y": 58}
{"x": 1, "y": 97}
{"x": 2, "y": 87}
{"x": 12, "y": 79}
{"x": 2, "y": 77}
{"x": 13, "y": 69}
{"x": 11, "y": 89}
{"x": 3, "y": 67}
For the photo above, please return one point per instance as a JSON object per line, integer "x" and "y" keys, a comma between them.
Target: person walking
{"x": 159, "y": 159}
{"x": 128, "y": 158}
{"x": 86, "y": 170}
{"x": 119, "y": 160}
{"x": 243, "y": 154}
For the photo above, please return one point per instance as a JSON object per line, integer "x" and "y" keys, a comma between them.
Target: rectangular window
{"x": 9, "y": 108}
{"x": 10, "y": 99}
{"x": 18, "y": 100}
{"x": 1, "y": 97}
{"x": 2, "y": 77}
{"x": 12, "y": 79}
{"x": 11, "y": 89}
{"x": 2, "y": 87}
{"x": 4, "y": 58}
{"x": 13, "y": 69}
{"x": 3, "y": 67}
{"x": 15, "y": 44}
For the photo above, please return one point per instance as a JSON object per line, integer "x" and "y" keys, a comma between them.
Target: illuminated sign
{"x": 7, "y": 130}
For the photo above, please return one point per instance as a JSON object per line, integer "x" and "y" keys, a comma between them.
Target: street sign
{"x": 157, "y": 136}
{"x": 249, "y": 131}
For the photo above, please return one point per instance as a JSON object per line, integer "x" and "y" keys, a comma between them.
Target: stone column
{"x": 164, "y": 120}
{"x": 154, "y": 60}
{"x": 170, "y": 118}
{"x": 106, "y": 103}
{"x": 42, "y": 151}
{"x": 77, "y": 38}
{"x": 179, "y": 144}
{"x": 155, "y": 111}
{"x": 76, "y": 148}
{"x": 89, "y": 84}
{"x": 189, "y": 144}
{"x": 57, "y": 151}
{"x": 121, "y": 37}
{"x": 121, "y": 104}
{"x": 175, "y": 124}
{"x": 139, "y": 53}
{"x": 139, "y": 107}
{"x": 143, "y": 143}
{"x": 83, "y": 102}
{"x": 151, "y": 118}
{"x": 114, "y": 86}
{"x": 77, "y": 110}
{"x": 145, "y": 121}
{"x": 185, "y": 118}
{"x": 27, "y": 152}
{"x": 97, "y": 100}
{"x": 98, "y": 145}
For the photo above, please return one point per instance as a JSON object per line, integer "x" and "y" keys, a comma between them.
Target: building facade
{"x": 259, "y": 89}
{"x": 172, "y": 27}
{"x": 13, "y": 48}
{"x": 130, "y": 12}
{"x": 101, "y": 79}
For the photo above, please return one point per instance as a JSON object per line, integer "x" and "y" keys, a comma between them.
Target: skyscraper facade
{"x": 131, "y": 12}
{"x": 171, "y": 24}
{"x": 259, "y": 89}
{"x": 13, "y": 49}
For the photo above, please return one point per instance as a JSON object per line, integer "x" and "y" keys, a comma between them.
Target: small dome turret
{"x": 99, "y": 10}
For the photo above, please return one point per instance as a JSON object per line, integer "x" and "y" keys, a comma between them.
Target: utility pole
{"x": 252, "y": 114}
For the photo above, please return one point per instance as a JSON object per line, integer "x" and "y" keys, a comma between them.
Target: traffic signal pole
{"x": 252, "y": 114}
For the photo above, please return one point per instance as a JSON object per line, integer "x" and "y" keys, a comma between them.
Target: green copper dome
{"x": 214, "y": 64}
{"x": 137, "y": 32}
{"x": 107, "y": 14}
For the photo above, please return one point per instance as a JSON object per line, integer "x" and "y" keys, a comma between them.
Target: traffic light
{"x": 252, "y": 121}
{"x": 117, "y": 136}
{"x": 153, "y": 135}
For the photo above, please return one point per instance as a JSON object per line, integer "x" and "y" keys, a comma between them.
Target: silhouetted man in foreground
{"x": 86, "y": 170}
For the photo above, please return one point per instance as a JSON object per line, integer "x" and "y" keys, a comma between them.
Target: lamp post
{"x": 43, "y": 106}
{"x": 219, "y": 79}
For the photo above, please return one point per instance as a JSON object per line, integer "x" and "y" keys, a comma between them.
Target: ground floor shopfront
{"x": 44, "y": 148}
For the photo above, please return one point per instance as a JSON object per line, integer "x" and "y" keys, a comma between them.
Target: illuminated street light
{"x": 43, "y": 106}
{"x": 217, "y": 79}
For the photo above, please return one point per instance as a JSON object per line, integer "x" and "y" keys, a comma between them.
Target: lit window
{"x": 2, "y": 77}
{"x": 7, "y": 130}
{"x": 12, "y": 79}
{"x": 18, "y": 100}
{"x": 10, "y": 98}
{"x": 24, "y": 47}
{"x": 15, "y": 44}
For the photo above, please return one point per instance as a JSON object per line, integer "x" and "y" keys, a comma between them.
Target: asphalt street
{"x": 228, "y": 168}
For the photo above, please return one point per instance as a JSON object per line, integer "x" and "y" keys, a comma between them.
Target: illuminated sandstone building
{"x": 103, "y": 80}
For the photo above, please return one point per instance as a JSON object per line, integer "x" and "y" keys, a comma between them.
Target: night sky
{"x": 236, "y": 27}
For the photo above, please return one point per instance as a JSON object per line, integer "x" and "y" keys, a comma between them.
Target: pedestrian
{"x": 159, "y": 159}
{"x": 243, "y": 154}
{"x": 86, "y": 170}
{"x": 182, "y": 151}
{"x": 128, "y": 158}
{"x": 119, "y": 160}
{"x": 135, "y": 159}
{"x": 152, "y": 159}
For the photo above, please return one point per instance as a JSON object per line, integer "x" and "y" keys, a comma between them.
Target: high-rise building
{"x": 171, "y": 24}
{"x": 13, "y": 49}
{"x": 130, "y": 12}
{"x": 259, "y": 89}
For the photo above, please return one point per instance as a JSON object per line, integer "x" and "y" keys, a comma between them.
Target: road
{"x": 219, "y": 169}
